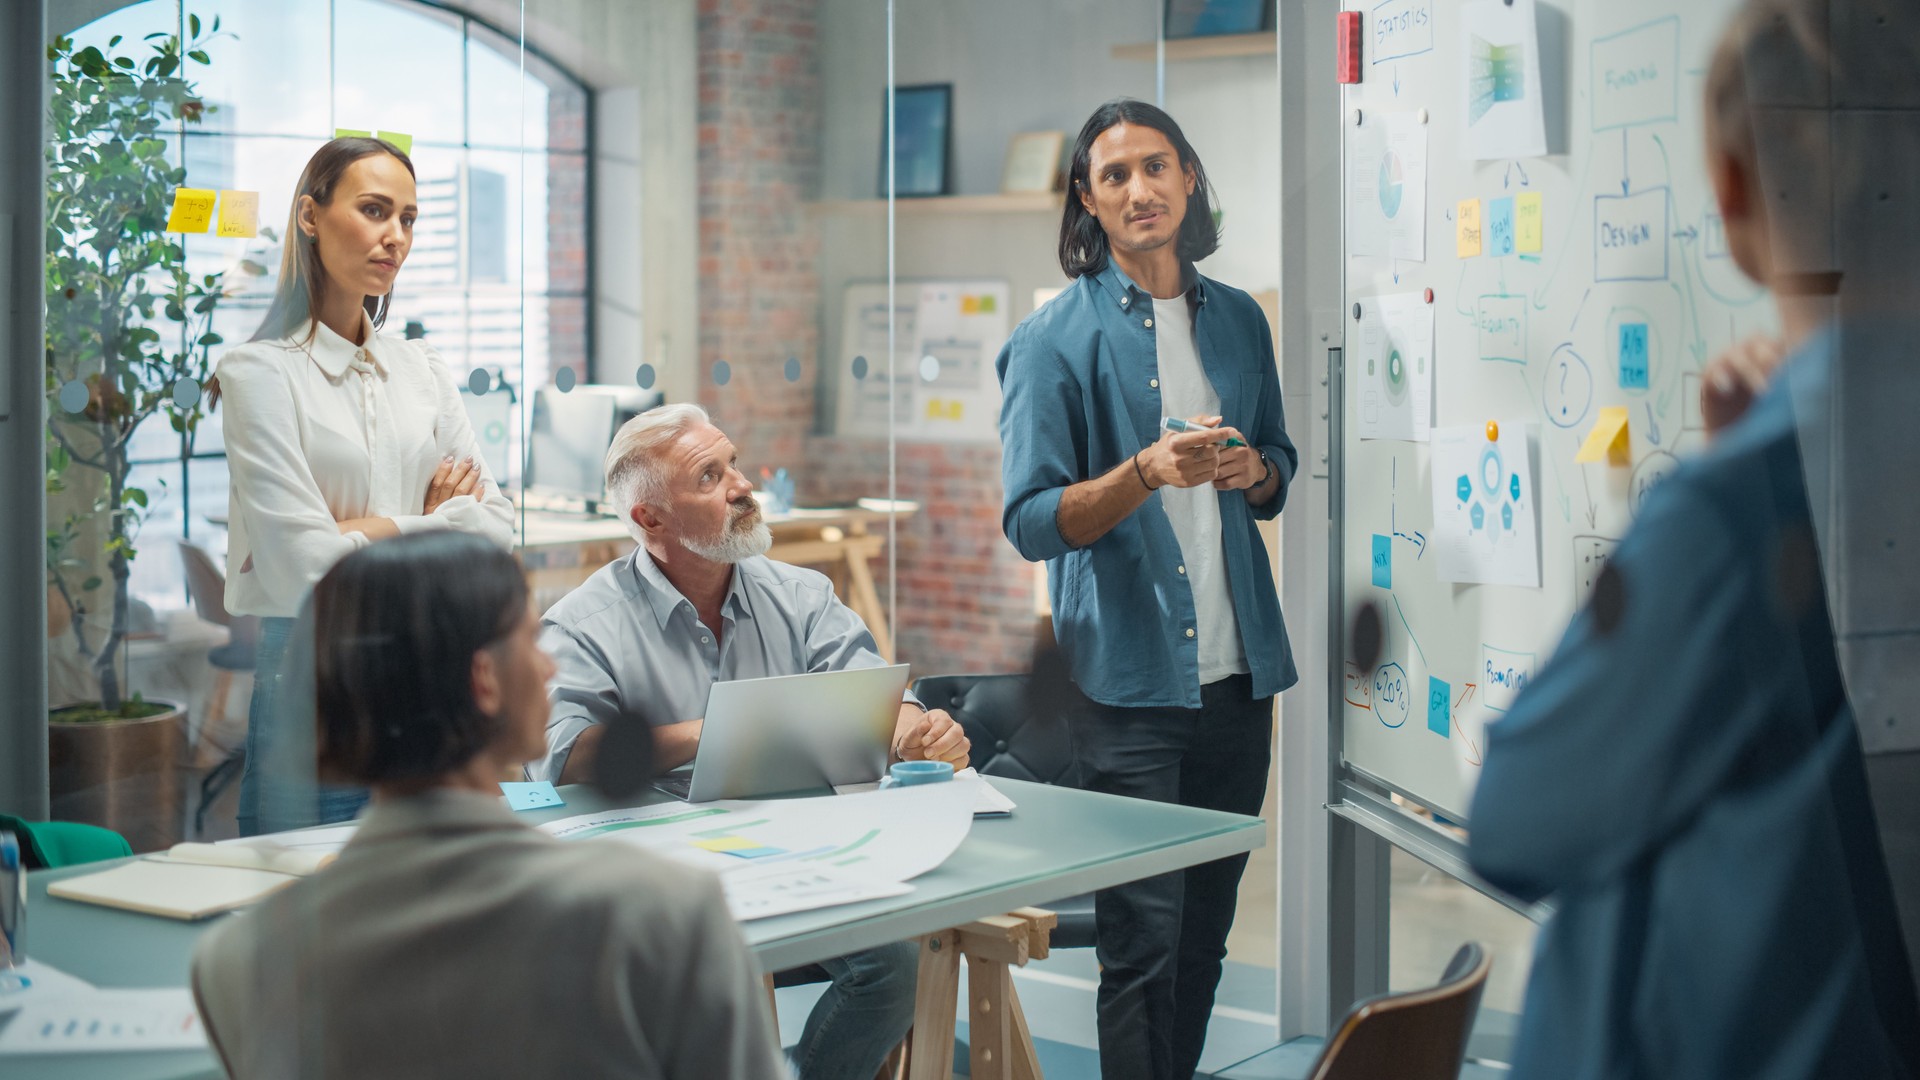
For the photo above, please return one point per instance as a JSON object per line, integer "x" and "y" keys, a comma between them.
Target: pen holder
{"x": 909, "y": 773}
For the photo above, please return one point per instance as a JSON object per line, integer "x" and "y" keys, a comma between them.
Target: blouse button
{"x": 1149, "y": 324}
{"x": 1153, "y": 383}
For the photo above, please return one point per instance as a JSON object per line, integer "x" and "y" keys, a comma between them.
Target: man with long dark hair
{"x": 1162, "y": 597}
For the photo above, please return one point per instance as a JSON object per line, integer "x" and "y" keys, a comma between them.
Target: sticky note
{"x": 1608, "y": 439}
{"x": 1633, "y": 356}
{"x": 988, "y": 304}
{"x": 1383, "y": 561}
{"x": 1500, "y": 227}
{"x": 1466, "y": 228}
{"x": 399, "y": 139}
{"x": 738, "y": 846}
{"x": 192, "y": 210}
{"x": 351, "y": 133}
{"x": 534, "y": 796}
{"x": 239, "y": 214}
{"x": 1529, "y": 220}
{"x": 969, "y": 305}
{"x": 1439, "y": 707}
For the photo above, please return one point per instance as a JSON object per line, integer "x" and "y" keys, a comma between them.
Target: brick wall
{"x": 965, "y": 596}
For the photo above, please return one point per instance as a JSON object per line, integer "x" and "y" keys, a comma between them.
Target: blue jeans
{"x": 278, "y": 790}
{"x": 1162, "y": 940}
{"x": 863, "y": 1015}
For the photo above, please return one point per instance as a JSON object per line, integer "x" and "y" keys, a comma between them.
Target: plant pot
{"x": 121, "y": 774}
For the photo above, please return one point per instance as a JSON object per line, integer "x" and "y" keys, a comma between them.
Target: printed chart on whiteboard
{"x": 942, "y": 385}
{"x": 1535, "y": 274}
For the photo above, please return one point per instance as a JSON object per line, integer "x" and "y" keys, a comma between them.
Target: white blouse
{"x": 322, "y": 431}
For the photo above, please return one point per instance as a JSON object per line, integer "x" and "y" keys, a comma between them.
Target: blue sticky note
{"x": 536, "y": 796}
{"x": 1383, "y": 561}
{"x": 1633, "y": 356}
{"x": 1439, "y": 708}
{"x": 1500, "y": 227}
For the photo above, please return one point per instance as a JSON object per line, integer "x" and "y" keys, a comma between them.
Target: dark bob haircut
{"x": 395, "y": 628}
{"x": 1083, "y": 243}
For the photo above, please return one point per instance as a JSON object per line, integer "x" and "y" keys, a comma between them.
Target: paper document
{"x": 876, "y": 838}
{"x": 1395, "y": 367}
{"x": 1387, "y": 188}
{"x": 1505, "y": 118}
{"x": 104, "y": 1021}
{"x": 327, "y": 841}
{"x": 1486, "y": 520}
{"x": 33, "y": 979}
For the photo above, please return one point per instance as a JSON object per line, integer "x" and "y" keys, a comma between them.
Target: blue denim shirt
{"x": 1080, "y": 378}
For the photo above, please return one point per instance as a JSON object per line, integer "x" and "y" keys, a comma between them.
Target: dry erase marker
{"x": 1174, "y": 423}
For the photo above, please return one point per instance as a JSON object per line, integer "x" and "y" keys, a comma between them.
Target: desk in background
{"x": 1060, "y": 842}
{"x": 560, "y": 551}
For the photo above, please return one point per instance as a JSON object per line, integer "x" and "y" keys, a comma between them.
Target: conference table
{"x": 1058, "y": 842}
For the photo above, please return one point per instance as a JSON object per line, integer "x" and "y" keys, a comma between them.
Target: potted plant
{"x": 128, "y": 337}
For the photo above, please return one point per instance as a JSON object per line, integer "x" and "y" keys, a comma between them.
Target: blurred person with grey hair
{"x": 1686, "y": 779}
{"x": 698, "y": 602}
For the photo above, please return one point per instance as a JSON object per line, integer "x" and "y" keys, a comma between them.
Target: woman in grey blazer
{"x": 449, "y": 939}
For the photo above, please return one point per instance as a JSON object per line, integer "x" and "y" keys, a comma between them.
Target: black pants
{"x": 1162, "y": 940}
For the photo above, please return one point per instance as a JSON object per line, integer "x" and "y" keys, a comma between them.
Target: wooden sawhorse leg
{"x": 999, "y": 1043}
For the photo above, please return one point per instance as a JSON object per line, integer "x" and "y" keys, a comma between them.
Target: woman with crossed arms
{"x": 337, "y": 436}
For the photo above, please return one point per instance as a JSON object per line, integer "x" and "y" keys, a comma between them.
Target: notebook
{"x": 193, "y": 881}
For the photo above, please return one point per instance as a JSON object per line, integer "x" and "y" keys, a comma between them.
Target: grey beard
{"x": 735, "y": 545}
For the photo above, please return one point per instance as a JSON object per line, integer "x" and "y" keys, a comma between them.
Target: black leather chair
{"x": 1016, "y": 736}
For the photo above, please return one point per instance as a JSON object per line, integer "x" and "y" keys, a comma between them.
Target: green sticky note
{"x": 399, "y": 139}
{"x": 351, "y": 133}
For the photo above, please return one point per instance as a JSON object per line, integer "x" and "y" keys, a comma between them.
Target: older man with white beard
{"x": 698, "y": 602}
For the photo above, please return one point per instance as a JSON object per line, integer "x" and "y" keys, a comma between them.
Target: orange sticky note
{"x": 1528, "y": 222}
{"x": 969, "y": 305}
{"x": 399, "y": 139}
{"x": 1608, "y": 439}
{"x": 192, "y": 210}
{"x": 239, "y": 214}
{"x": 1466, "y": 228}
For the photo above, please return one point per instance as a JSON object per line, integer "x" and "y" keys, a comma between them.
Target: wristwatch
{"x": 1268, "y": 462}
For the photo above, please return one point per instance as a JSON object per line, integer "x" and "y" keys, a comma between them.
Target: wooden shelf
{"x": 1215, "y": 47}
{"x": 1048, "y": 202}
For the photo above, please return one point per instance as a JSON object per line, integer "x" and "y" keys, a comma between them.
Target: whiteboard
{"x": 943, "y": 386}
{"x": 1631, "y": 258}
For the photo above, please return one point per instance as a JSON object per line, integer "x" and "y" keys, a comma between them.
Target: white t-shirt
{"x": 321, "y": 431}
{"x": 1195, "y": 512}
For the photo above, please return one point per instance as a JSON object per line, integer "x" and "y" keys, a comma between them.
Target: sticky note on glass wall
{"x": 1439, "y": 708}
{"x": 1466, "y": 228}
{"x": 398, "y": 139}
{"x": 239, "y": 214}
{"x": 1500, "y": 227}
{"x": 1633, "y": 356}
{"x": 1529, "y": 219}
{"x": 351, "y": 133}
{"x": 1383, "y": 561}
{"x": 192, "y": 210}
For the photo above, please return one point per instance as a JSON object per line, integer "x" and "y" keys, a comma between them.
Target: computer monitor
{"x": 570, "y": 433}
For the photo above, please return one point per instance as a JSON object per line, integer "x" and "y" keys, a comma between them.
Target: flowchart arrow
{"x": 1653, "y": 427}
{"x": 1592, "y": 510}
{"x": 1625, "y": 172}
{"x": 1396, "y": 80}
{"x": 1512, "y": 167}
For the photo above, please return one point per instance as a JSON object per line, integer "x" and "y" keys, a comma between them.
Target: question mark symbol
{"x": 1563, "y": 376}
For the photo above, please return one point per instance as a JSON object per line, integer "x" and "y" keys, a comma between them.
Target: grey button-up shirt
{"x": 627, "y": 641}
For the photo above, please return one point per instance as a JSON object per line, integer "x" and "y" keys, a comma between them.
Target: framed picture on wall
{"x": 1033, "y": 163}
{"x": 922, "y": 162}
{"x": 1205, "y": 18}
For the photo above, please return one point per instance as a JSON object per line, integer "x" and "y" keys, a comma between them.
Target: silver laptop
{"x": 793, "y": 733}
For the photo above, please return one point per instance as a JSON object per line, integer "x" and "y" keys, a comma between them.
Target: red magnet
{"x": 1347, "y": 59}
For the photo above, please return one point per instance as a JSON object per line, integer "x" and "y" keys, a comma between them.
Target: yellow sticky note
{"x": 726, "y": 843}
{"x": 1608, "y": 439}
{"x": 1466, "y": 228}
{"x": 351, "y": 133}
{"x": 1529, "y": 218}
{"x": 399, "y": 139}
{"x": 239, "y": 214}
{"x": 969, "y": 305}
{"x": 192, "y": 210}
